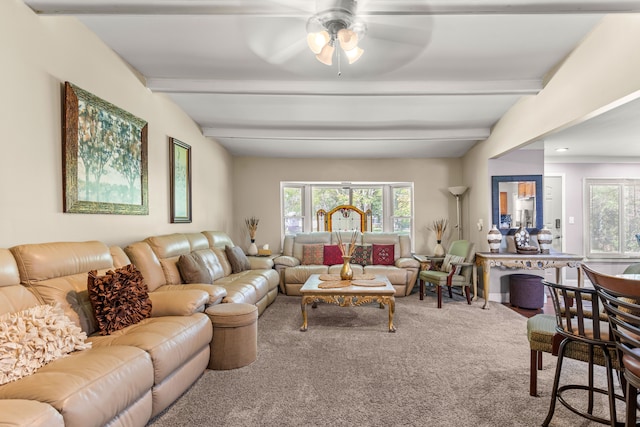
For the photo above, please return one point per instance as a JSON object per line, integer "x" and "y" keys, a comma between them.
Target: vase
{"x": 494, "y": 237}
{"x": 545, "y": 239}
{"x": 438, "y": 250}
{"x": 253, "y": 249}
{"x": 522, "y": 238}
{"x": 346, "y": 273}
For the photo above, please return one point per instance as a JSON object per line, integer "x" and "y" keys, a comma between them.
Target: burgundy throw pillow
{"x": 383, "y": 254}
{"x": 332, "y": 255}
{"x": 362, "y": 255}
{"x": 119, "y": 299}
{"x": 312, "y": 254}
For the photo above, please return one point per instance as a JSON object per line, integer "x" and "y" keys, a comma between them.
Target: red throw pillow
{"x": 332, "y": 255}
{"x": 383, "y": 254}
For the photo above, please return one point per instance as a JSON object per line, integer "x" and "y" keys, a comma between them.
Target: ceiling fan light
{"x": 317, "y": 41}
{"x": 348, "y": 39}
{"x": 326, "y": 54}
{"x": 354, "y": 54}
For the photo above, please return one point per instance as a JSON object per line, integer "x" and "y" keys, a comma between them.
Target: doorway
{"x": 553, "y": 215}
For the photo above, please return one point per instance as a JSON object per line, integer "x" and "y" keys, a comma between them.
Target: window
{"x": 293, "y": 209}
{"x": 391, "y": 204}
{"x": 613, "y": 218}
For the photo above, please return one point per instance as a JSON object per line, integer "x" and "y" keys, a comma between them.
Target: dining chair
{"x": 621, "y": 300}
{"x": 579, "y": 323}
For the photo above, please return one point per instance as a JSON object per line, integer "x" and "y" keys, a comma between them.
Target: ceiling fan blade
{"x": 276, "y": 40}
{"x": 404, "y": 34}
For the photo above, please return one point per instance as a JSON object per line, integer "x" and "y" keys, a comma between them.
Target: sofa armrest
{"x": 260, "y": 263}
{"x": 177, "y": 303}
{"x": 407, "y": 263}
{"x": 287, "y": 261}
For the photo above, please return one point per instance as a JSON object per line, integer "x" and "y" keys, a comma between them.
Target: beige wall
{"x": 256, "y": 183}
{"x": 38, "y": 55}
{"x": 602, "y": 73}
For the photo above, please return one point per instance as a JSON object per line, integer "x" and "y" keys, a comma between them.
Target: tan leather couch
{"x": 156, "y": 257}
{"x": 293, "y": 274}
{"x": 125, "y": 378}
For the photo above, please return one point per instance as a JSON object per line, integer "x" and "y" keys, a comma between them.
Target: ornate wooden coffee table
{"x": 347, "y": 294}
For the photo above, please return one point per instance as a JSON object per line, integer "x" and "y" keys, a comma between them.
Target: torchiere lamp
{"x": 457, "y": 192}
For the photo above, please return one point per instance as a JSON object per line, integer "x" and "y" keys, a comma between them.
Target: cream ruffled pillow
{"x": 31, "y": 338}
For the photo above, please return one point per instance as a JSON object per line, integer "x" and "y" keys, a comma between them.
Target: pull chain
{"x": 339, "y": 69}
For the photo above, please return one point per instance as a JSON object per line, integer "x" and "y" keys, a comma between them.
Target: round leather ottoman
{"x": 526, "y": 291}
{"x": 235, "y": 335}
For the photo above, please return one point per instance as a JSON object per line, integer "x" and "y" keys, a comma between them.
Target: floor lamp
{"x": 457, "y": 192}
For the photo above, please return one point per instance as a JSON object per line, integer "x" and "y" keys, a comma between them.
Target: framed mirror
{"x": 516, "y": 200}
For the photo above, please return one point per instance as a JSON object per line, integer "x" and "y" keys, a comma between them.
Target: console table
{"x": 525, "y": 262}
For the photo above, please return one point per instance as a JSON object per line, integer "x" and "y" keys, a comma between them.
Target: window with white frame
{"x": 612, "y": 218}
{"x": 391, "y": 204}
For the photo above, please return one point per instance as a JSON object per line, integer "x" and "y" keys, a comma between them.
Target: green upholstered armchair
{"x": 632, "y": 269}
{"x": 455, "y": 270}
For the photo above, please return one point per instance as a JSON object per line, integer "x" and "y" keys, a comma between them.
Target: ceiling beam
{"x": 346, "y": 88}
{"x": 333, "y": 134}
{"x": 280, "y": 8}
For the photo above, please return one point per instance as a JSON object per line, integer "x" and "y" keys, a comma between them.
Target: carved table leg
{"x": 485, "y": 285}
{"x": 303, "y": 306}
{"x": 392, "y": 309}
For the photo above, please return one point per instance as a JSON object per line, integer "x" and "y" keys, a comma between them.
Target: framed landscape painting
{"x": 104, "y": 157}
{"x": 180, "y": 165}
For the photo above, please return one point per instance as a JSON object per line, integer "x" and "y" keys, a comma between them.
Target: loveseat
{"x": 124, "y": 378}
{"x": 159, "y": 260}
{"x": 391, "y": 251}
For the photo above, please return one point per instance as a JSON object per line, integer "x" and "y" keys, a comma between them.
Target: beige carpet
{"x": 458, "y": 366}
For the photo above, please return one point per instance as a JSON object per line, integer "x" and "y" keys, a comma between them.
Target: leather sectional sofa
{"x": 129, "y": 376}
{"x": 402, "y": 271}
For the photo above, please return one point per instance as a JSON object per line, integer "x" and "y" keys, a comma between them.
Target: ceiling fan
{"x": 339, "y": 31}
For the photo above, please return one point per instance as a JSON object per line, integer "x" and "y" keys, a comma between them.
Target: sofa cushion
{"x": 383, "y": 254}
{"x": 238, "y": 260}
{"x": 362, "y": 255}
{"x": 91, "y": 387}
{"x": 119, "y": 299}
{"x": 312, "y": 254}
{"x": 31, "y": 338}
{"x": 332, "y": 255}
{"x": 193, "y": 270}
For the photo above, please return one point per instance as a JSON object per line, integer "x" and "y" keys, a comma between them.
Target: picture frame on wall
{"x": 180, "y": 165}
{"x": 104, "y": 164}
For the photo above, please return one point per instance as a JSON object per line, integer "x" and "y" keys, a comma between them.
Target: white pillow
{"x": 448, "y": 260}
{"x": 31, "y": 338}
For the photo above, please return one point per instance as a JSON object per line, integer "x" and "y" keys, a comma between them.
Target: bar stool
{"x": 621, "y": 300}
{"x": 577, "y": 312}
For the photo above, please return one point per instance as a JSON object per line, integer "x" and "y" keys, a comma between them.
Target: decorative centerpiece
{"x": 522, "y": 239}
{"x": 439, "y": 227}
{"x": 252, "y": 226}
{"x": 346, "y": 273}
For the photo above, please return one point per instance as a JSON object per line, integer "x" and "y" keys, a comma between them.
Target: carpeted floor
{"x": 458, "y": 366}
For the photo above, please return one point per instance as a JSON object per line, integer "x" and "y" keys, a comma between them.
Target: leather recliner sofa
{"x": 126, "y": 378}
{"x": 157, "y": 259}
{"x": 293, "y": 274}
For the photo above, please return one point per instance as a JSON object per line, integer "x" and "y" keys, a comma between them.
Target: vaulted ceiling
{"x": 434, "y": 78}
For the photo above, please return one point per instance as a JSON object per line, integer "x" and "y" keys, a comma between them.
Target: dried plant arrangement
{"x": 252, "y": 226}
{"x": 347, "y": 251}
{"x": 439, "y": 227}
